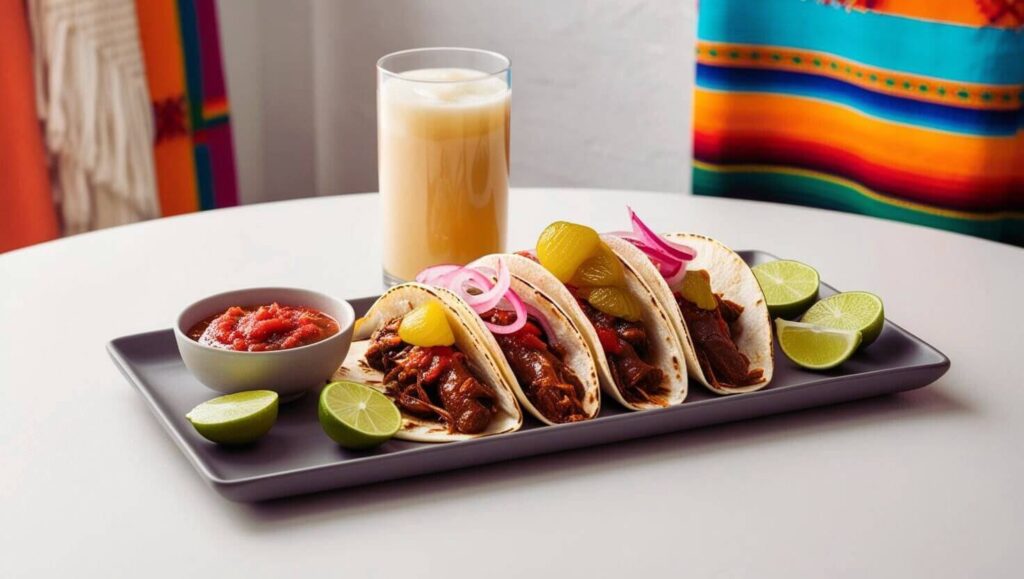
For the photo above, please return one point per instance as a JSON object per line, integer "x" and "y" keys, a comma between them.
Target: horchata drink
{"x": 443, "y": 157}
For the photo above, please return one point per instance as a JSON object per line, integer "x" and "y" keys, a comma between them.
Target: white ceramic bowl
{"x": 289, "y": 372}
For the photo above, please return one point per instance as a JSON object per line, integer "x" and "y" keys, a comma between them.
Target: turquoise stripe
{"x": 876, "y": 104}
{"x": 955, "y": 52}
{"x": 204, "y": 177}
{"x": 193, "y": 62}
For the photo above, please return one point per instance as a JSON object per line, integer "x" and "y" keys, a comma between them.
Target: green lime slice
{"x": 357, "y": 416}
{"x": 816, "y": 347}
{"x": 861, "y": 311}
{"x": 789, "y": 287}
{"x": 237, "y": 418}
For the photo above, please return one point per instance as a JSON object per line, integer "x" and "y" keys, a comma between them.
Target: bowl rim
{"x": 343, "y": 329}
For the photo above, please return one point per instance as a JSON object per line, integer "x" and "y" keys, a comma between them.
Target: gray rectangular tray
{"x": 296, "y": 457}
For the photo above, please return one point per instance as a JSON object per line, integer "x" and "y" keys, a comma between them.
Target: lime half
{"x": 861, "y": 311}
{"x": 357, "y": 416}
{"x": 816, "y": 347}
{"x": 236, "y": 418}
{"x": 789, "y": 287}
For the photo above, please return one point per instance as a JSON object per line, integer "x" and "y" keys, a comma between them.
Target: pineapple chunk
{"x": 427, "y": 325}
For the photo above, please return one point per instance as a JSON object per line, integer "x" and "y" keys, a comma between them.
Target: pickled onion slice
{"x": 542, "y": 320}
{"x": 431, "y": 275}
{"x": 478, "y": 291}
{"x": 670, "y": 258}
{"x": 519, "y": 308}
{"x": 676, "y": 250}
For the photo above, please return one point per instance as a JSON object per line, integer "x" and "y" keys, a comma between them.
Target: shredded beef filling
{"x": 714, "y": 334}
{"x": 626, "y": 346}
{"x": 537, "y": 364}
{"x": 434, "y": 382}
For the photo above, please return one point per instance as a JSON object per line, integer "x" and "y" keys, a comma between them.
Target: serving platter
{"x": 297, "y": 457}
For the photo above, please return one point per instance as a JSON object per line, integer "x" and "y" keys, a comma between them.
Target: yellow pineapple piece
{"x": 427, "y": 325}
{"x": 696, "y": 289}
{"x": 602, "y": 269}
{"x": 614, "y": 301}
{"x": 563, "y": 247}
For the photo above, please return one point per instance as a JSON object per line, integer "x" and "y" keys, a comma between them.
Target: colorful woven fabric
{"x": 194, "y": 151}
{"x": 27, "y": 214}
{"x": 904, "y": 109}
{"x": 95, "y": 111}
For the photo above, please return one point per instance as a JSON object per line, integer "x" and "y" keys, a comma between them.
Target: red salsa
{"x": 264, "y": 328}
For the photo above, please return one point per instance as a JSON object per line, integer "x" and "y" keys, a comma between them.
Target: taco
{"x": 446, "y": 391}
{"x": 540, "y": 351}
{"x": 637, "y": 353}
{"x": 715, "y": 306}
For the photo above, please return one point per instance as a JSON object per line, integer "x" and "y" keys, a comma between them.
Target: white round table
{"x": 927, "y": 483}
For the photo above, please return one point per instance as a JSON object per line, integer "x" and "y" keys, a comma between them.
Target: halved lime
{"x": 235, "y": 418}
{"x": 357, "y": 416}
{"x": 816, "y": 347}
{"x": 789, "y": 287}
{"x": 861, "y": 311}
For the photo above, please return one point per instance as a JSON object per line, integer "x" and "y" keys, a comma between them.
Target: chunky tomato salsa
{"x": 264, "y": 328}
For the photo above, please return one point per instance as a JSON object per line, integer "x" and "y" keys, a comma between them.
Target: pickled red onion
{"x": 432, "y": 274}
{"x": 670, "y": 258}
{"x": 519, "y": 308}
{"x": 649, "y": 237}
{"x": 542, "y": 320}
{"x": 488, "y": 298}
{"x": 489, "y": 294}
{"x": 466, "y": 279}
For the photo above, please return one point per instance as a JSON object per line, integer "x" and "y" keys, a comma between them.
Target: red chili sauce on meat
{"x": 539, "y": 368}
{"x": 628, "y": 350}
{"x": 434, "y": 382}
{"x": 714, "y": 333}
{"x": 264, "y": 328}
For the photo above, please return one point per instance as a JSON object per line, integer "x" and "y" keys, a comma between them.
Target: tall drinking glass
{"x": 443, "y": 157}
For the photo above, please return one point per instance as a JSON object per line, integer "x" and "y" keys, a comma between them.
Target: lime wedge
{"x": 237, "y": 418}
{"x": 789, "y": 287}
{"x": 816, "y": 347}
{"x": 861, "y": 311}
{"x": 357, "y": 416}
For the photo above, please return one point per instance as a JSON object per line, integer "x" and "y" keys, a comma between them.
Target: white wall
{"x": 601, "y": 90}
{"x": 268, "y": 58}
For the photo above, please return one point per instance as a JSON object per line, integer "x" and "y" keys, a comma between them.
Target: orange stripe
{"x": 881, "y": 80}
{"x": 965, "y": 12}
{"x": 902, "y": 147}
{"x": 27, "y": 214}
{"x": 176, "y": 176}
{"x": 161, "y": 46}
{"x": 165, "y": 73}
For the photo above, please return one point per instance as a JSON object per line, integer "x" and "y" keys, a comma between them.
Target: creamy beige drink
{"x": 443, "y": 154}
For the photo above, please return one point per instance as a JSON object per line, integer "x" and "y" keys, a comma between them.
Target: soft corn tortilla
{"x": 732, "y": 279}
{"x": 399, "y": 301}
{"x": 567, "y": 336}
{"x": 666, "y": 349}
